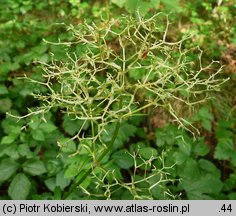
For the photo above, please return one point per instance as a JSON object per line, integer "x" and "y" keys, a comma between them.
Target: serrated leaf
{"x": 71, "y": 171}
{"x": 160, "y": 137}
{"x": 233, "y": 159}
{"x": 50, "y": 183}
{"x": 224, "y": 149}
{"x": 40, "y": 49}
{"x": 208, "y": 167}
{"x": 20, "y": 187}
{"x": 119, "y": 3}
{"x": 131, "y": 5}
{"x": 190, "y": 169}
{"x": 148, "y": 152}
{"x": 126, "y": 131}
{"x": 67, "y": 145}
{"x": 61, "y": 180}
{"x": 155, "y": 3}
{"x": 172, "y": 5}
{"x": 205, "y": 114}
{"x": 123, "y": 159}
{"x": 72, "y": 125}
{"x": 197, "y": 188}
{"x": 34, "y": 167}
{"x": 38, "y": 135}
{"x": 5, "y": 105}
{"x": 24, "y": 150}
{"x": 77, "y": 164}
{"x": 3, "y": 89}
{"x": 47, "y": 127}
{"x": 200, "y": 148}
{"x": 206, "y": 124}
{"x": 185, "y": 145}
{"x": 232, "y": 196}
{"x": 6, "y": 67}
{"x": 180, "y": 157}
{"x": 8, "y": 139}
{"x": 137, "y": 74}
{"x": 9, "y": 124}
{"x": 12, "y": 152}
{"x": 143, "y": 7}
{"x": 7, "y": 168}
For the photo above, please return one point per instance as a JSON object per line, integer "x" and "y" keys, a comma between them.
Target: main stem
{"x": 75, "y": 184}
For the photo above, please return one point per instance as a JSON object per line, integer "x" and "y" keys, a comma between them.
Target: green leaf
{"x": 6, "y": 67}
{"x": 172, "y": 5}
{"x": 160, "y": 137}
{"x": 198, "y": 178}
{"x": 123, "y": 159}
{"x": 40, "y": 49}
{"x": 180, "y": 157}
{"x": 208, "y": 167}
{"x": 230, "y": 183}
{"x": 77, "y": 164}
{"x": 50, "y": 183}
{"x": 3, "y": 89}
{"x": 131, "y": 5}
{"x": 224, "y": 133}
{"x": 7, "y": 168}
{"x": 24, "y": 151}
{"x": 44, "y": 58}
{"x": 190, "y": 169}
{"x": 232, "y": 196}
{"x": 5, "y": 105}
{"x": 10, "y": 125}
{"x": 167, "y": 135}
{"x": 126, "y": 130}
{"x": 233, "y": 159}
{"x": 38, "y": 135}
{"x": 224, "y": 149}
{"x": 137, "y": 74}
{"x": 224, "y": 129}
{"x": 12, "y": 152}
{"x": 206, "y": 124}
{"x": 20, "y": 187}
{"x": 205, "y": 114}
{"x": 8, "y": 139}
{"x": 72, "y": 125}
{"x": 201, "y": 148}
{"x": 185, "y": 144}
{"x": 34, "y": 123}
{"x": 119, "y": 3}
{"x": 67, "y": 145}
{"x": 143, "y": 7}
{"x": 47, "y": 127}
{"x": 62, "y": 181}
{"x": 155, "y": 3}
{"x": 34, "y": 167}
{"x": 14, "y": 132}
{"x": 196, "y": 188}
{"x": 148, "y": 152}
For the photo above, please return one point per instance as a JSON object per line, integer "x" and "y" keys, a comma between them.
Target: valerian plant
{"x": 115, "y": 70}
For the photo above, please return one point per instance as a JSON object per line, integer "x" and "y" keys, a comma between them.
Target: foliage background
{"x": 33, "y": 165}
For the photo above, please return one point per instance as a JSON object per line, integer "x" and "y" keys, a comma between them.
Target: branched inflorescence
{"x": 128, "y": 65}
{"x": 123, "y": 67}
